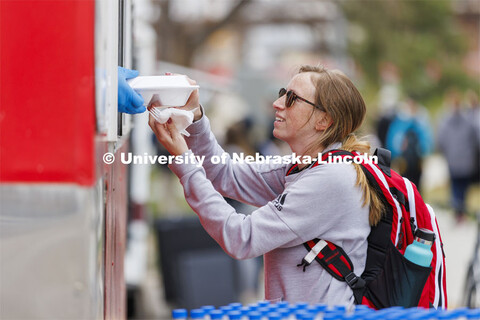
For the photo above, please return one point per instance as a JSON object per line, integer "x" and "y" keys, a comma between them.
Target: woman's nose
{"x": 279, "y": 104}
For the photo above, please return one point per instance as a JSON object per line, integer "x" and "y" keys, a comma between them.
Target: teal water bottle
{"x": 419, "y": 251}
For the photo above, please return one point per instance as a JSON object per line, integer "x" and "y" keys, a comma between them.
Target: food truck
{"x": 63, "y": 210}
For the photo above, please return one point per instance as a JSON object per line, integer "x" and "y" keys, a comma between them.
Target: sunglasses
{"x": 292, "y": 96}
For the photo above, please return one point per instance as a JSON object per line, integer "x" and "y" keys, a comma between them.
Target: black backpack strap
{"x": 384, "y": 160}
{"x": 397, "y": 194}
{"x": 336, "y": 262}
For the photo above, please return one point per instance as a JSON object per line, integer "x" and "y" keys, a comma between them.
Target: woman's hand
{"x": 192, "y": 103}
{"x": 168, "y": 135}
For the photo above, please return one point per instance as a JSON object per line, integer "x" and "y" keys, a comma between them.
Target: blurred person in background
{"x": 456, "y": 140}
{"x": 409, "y": 139}
{"x": 384, "y": 121}
{"x": 473, "y": 105}
{"x": 317, "y": 112}
{"x": 237, "y": 138}
{"x": 388, "y": 99}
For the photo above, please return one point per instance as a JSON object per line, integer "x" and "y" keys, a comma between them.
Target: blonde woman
{"x": 319, "y": 110}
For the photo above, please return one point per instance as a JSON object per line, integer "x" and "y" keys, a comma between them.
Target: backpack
{"x": 412, "y": 155}
{"x": 389, "y": 279}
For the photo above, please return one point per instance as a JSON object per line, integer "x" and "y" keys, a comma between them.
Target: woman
{"x": 318, "y": 111}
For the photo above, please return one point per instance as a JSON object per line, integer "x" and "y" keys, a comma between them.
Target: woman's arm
{"x": 254, "y": 184}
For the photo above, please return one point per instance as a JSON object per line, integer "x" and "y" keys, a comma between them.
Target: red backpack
{"x": 389, "y": 279}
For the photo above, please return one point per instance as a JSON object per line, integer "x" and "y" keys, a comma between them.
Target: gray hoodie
{"x": 320, "y": 202}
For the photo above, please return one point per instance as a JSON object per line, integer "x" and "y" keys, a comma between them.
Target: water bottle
{"x": 321, "y": 307}
{"x": 332, "y": 315}
{"x": 179, "y": 314}
{"x": 226, "y": 309}
{"x": 312, "y": 310}
{"x": 293, "y": 310}
{"x": 419, "y": 251}
{"x": 302, "y": 305}
{"x": 361, "y": 307}
{"x": 207, "y": 310}
{"x": 282, "y": 304}
{"x": 253, "y": 306}
{"x": 235, "y": 305}
{"x": 473, "y": 314}
{"x": 274, "y": 316}
{"x": 300, "y": 314}
{"x": 197, "y": 314}
{"x": 361, "y": 313}
{"x": 340, "y": 308}
{"x": 461, "y": 313}
{"x": 244, "y": 311}
{"x": 234, "y": 315}
{"x": 272, "y": 307}
{"x": 284, "y": 312}
{"x": 263, "y": 311}
{"x": 254, "y": 315}
{"x": 216, "y": 315}
{"x": 308, "y": 316}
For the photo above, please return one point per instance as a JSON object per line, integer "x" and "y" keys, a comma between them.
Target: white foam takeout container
{"x": 172, "y": 91}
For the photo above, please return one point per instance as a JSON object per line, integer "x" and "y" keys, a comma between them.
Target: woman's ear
{"x": 323, "y": 122}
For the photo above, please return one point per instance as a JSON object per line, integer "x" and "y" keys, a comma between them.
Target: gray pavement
{"x": 459, "y": 239}
{"x": 459, "y": 242}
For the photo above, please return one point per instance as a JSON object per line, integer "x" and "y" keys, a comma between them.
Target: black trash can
{"x": 195, "y": 269}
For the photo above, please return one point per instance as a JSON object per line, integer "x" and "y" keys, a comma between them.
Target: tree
{"x": 422, "y": 38}
{"x": 180, "y": 39}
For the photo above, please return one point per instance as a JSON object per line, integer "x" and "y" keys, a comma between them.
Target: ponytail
{"x": 370, "y": 196}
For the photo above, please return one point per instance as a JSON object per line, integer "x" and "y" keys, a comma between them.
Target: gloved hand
{"x": 129, "y": 101}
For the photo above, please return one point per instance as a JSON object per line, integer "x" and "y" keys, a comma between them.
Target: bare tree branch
{"x": 197, "y": 40}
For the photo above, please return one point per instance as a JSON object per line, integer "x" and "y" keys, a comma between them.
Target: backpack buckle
{"x": 303, "y": 264}
{"x": 354, "y": 281}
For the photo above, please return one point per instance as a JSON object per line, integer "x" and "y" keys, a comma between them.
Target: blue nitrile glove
{"x": 129, "y": 101}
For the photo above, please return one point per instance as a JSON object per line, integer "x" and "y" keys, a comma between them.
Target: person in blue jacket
{"x": 409, "y": 139}
{"x": 129, "y": 101}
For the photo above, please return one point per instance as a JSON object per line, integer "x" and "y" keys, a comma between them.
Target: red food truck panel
{"x": 47, "y": 100}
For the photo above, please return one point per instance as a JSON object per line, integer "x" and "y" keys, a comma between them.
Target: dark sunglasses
{"x": 292, "y": 96}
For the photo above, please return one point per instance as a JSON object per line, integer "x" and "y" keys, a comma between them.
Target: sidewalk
{"x": 459, "y": 243}
{"x": 458, "y": 239}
